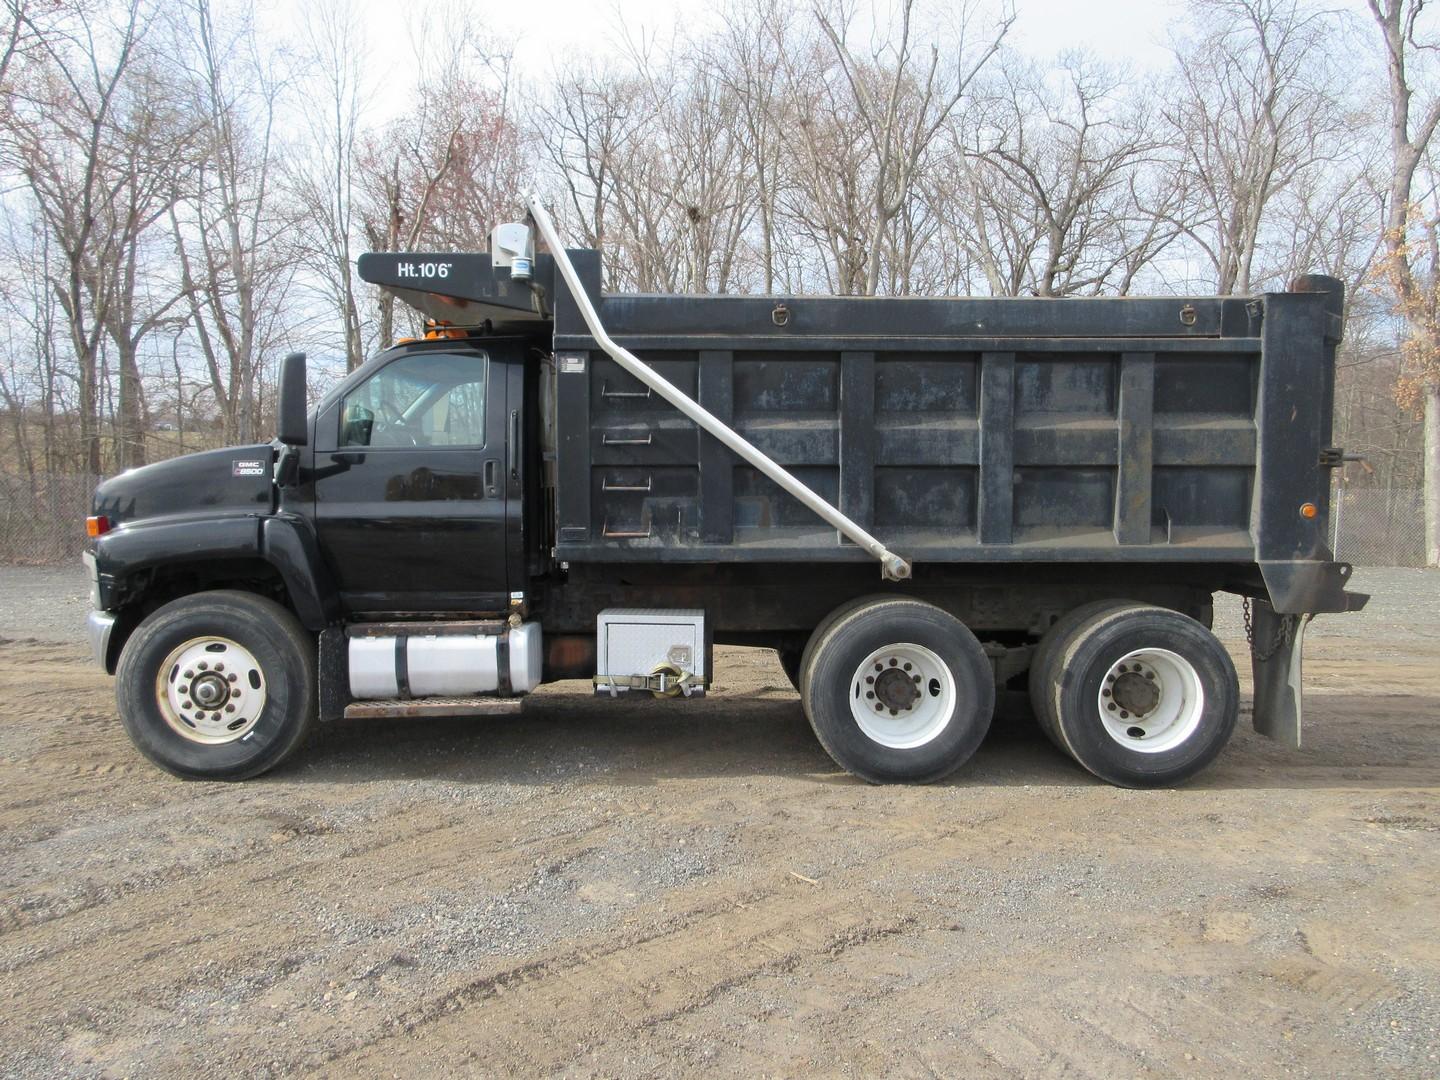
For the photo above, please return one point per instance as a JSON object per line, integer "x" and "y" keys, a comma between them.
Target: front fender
{"x": 284, "y": 541}
{"x": 288, "y": 543}
{"x": 143, "y": 545}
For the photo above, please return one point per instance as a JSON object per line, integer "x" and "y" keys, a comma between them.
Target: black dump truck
{"x": 916, "y": 502}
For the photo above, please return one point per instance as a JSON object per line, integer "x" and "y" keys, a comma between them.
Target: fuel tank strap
{"x": 502, "y": 663}
{"x": 402, "y": 665}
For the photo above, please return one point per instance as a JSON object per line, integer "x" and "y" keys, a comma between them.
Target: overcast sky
{"x": 1128, "y": 29}
{"x": 544, "y": 32}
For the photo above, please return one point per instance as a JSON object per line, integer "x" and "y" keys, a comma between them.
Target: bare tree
{"x": 153, "y": 143}
{"x": 323, "y": 176}
{"x": 1253, "y": 111}
{"x": 898, "y": 96}
{"x": 747, "y": 59}
{"x": 443, "y": 174}
{"x": 227, "y": 229}
{"x": 1050, "y": 189}
{"x": 27, "y": 24}
{"x": 64, "y": 129}
{"x": 1412, "y": 239}
{"x": 681, "y": 196}
{"x": 585, "y": 127}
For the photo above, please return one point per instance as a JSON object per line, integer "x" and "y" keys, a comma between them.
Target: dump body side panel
{"x": 957, "y": 430}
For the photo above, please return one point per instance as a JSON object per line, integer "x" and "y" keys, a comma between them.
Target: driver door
{"x": 411, "y": 486}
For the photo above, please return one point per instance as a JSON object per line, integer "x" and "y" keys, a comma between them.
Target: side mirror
{"x": 292, "y": 419}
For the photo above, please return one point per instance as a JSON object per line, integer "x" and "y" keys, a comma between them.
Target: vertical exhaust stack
{"x": 893, "y": 567}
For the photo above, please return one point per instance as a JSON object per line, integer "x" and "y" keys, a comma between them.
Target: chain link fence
{"x": 1378, "y": 526}
{"x": 44, "y": 522}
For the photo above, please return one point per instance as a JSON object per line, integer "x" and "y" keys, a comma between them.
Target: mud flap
{"x": 1275, "y": 654}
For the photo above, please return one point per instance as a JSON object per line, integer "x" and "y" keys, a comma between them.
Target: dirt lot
{"x": 619, "y": 889}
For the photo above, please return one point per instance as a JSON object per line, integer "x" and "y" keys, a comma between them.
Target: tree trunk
{"x": 1432, "y": 474}
{"x": 130, "y": 436}
{"x": 89, "y": 417}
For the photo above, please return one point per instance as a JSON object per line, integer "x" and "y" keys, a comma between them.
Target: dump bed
{"x": 1185, "y": 428}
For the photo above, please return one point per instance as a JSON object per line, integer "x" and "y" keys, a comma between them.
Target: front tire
{"x": 1140, "y": 696}
{"x": 897, "y": 690}
{"x": 218, "y": 686}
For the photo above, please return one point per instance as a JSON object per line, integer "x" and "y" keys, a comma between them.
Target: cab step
{"x": 432, "y": 706}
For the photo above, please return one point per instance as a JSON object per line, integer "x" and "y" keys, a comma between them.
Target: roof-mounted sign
{"x": 463, "y": 289}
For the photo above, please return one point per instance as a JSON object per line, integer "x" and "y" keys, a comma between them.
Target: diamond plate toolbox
{"x": 642, "y": 641}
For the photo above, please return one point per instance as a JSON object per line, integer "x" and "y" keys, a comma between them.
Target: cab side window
{"x": 426, "y": 399}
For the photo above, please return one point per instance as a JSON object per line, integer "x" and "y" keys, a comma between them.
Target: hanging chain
{"x": 1282, "y": 635}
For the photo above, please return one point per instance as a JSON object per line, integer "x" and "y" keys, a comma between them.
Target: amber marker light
{"x": 97, "y": 526}
{"x": 1308, "y": 510}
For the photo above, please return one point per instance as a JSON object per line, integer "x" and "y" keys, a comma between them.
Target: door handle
{"x": 491, "y": 489}
{"x": 512, "y": 445}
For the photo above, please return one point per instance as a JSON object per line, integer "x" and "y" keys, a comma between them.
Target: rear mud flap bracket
{"x": 1277, "y": 642}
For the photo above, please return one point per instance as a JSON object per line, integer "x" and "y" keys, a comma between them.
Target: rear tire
{"x": 825, "y": 625}
{"x": 1140, "y": 696}
{"x": 1042, "y": 673}
{"x": 218, "y": 685}
{"x": 897, "y": 690}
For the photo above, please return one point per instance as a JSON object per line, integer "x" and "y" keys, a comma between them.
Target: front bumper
{"x": 98, "y": 625}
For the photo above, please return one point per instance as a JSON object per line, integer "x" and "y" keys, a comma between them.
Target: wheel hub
{"x": 895, "y": 688}
{"x": 1135, "y": 691}
{"x": 211, "y": 690}
{"x": 1151, "y": 700}
{"x": 902, "y": 695}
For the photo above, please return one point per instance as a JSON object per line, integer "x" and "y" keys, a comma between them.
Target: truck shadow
{"x": 1352, "y": 741}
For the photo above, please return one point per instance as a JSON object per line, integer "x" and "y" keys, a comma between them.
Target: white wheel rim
{"x": 902, "y": 696}
{"x": 1151, "y": 700}
{"x": 211, "y": 690}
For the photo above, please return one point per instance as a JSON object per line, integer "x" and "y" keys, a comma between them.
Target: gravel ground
{"x": 44, "y": 603}
{"x": 628, "y": 889}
